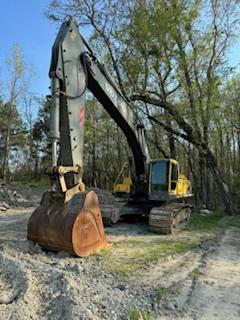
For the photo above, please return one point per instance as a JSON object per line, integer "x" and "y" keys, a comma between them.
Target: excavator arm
{"x": 74, "y": 69}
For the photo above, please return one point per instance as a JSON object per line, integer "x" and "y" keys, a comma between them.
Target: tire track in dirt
{"x": 217, "y": 291}
{"x": 214, "y": 289}
{"x": 10, "y": 285}
{"x": 171, "y": 282}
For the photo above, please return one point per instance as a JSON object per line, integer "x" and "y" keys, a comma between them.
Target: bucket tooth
{"x": 74, "y": 226}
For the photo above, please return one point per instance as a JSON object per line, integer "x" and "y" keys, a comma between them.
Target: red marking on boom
{"x": 82, "y": 116}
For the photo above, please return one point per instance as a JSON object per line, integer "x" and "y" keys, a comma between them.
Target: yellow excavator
{"x": 123, "y": 183}
{"x": 69, "y": 218}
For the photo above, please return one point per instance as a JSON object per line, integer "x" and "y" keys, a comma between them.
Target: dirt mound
{"x": 104, "y": 195}
{"x": 14, "y": 194}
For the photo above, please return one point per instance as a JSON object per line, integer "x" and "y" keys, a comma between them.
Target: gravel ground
{"x": 202, "y": 283}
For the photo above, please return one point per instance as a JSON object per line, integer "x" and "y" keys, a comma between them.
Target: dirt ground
{"x": 197, "y": 276}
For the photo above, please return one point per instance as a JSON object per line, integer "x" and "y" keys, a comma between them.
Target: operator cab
{"x": 163, "y": 179}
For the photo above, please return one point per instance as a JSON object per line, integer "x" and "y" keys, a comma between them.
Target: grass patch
{"x": 124, "y": 268}
{"x": 195, "y": 273}
{"x": 207, "y": 222}
{"x": 166, "y": 248}
{"x": 137, "y": 253}
{"x": 128, "y": 256}
{"x": 103, "y": 252}
{"x": 233, "y": 222}
{"x": 135, "y": 314}
{"x": 161, "y": 293}
{"x": 152, "y": 255}
{"x": 37, "y": 183}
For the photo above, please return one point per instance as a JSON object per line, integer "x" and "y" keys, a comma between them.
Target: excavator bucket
{"x": 74, "y": 226}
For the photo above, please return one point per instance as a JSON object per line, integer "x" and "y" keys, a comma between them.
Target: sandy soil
{"x": 215, "y": 290}
{"x": 216, "y": 293}
{"x": 200, "y": 284}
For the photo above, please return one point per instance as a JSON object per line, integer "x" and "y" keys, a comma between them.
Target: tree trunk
{"x": 6, "y": 153}
{"x": 93, "y": 173}
{"x": 222, "y": 185}
{"x": 171, "y": 140}
{"x": 203, "y": 181}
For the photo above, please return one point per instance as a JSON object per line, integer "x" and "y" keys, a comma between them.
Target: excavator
{"x": 124, "y": 187}
{"x": 70, "y": 218}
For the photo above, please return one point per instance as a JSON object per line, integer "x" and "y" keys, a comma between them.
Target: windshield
{"x": 159, "y": 176}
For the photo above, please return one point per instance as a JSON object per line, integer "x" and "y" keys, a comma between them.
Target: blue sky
{"x": 23, "y": 22}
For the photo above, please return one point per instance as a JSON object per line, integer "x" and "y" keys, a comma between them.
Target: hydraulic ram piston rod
{"x": 54, "y": 119}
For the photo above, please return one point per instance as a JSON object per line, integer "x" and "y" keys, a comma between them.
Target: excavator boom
{"x": 73, "y": 70}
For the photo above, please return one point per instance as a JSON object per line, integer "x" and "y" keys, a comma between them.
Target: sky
{"x": 24, "y": 22}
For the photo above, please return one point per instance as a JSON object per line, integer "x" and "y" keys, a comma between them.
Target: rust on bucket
{"x": 74, "y": 226}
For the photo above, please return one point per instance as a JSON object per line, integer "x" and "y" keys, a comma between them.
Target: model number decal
{"x": 120, "y": 103}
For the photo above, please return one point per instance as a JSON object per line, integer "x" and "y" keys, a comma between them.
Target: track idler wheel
{"x": 74, "y": 226}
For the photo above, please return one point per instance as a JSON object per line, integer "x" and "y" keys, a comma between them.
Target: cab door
{"x": 159, "y": 180}
{"x": 173, "y": 176}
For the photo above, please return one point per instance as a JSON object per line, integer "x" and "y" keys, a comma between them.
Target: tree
{"x": 12, "y": 126}
{"x": 105, "y": 147}
{"x": 28, "y": 167}
{"x": 196, "y": 71}
{"x": 41, "y": 145}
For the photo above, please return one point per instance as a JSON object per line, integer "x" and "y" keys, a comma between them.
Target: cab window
{"x": 159, "y": 180}
{"x": 174, "y": 177}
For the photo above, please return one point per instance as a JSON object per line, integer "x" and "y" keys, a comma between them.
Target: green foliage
{"x": 205, "y": 222}
{"x": 41, "y": 126}
{"x": 17, "y": 129}
{"x": 135, "y": 314}
{"x": 125, "y": 268}
{"x": 16, "y": 61}
{"x": 13, "y": 133}
{"x": 105, "y": 147}
{"x": 126, "y": 258}
{"x": 195, "y": 273}
{"x": 44, "y": 182}
{"x": 12, "y": 130}
{"x": 233, "y": 221}
{"x": 103, "y": 253}
{"x": 36, "y": 151}
{"x": 161, "y": 293}
{"x": 166, "y": 247}
{"x": 41, "y": 147}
